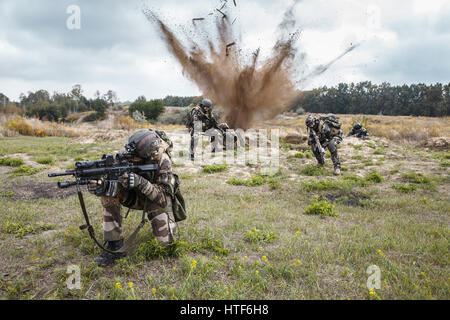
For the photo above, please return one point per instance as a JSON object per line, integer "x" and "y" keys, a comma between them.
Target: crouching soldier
{"x": 358, "y": 131}
{"x": 325, "y": 132}
{"x": 151, "y": 192}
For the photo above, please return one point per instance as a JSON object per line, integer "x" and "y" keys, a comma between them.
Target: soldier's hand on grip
{"x": 96, "y": 187}
{"x": 130, "y": 180}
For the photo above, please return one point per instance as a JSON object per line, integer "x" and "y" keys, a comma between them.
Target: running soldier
{"x": 325, "y": 132}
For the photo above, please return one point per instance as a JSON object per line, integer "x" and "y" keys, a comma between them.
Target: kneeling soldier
{"x": 150, "y": 192}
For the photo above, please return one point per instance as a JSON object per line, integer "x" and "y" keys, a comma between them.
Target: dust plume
{"x": 248, "y": 89}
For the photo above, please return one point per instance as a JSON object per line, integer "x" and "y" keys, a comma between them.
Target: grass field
{"x": 247, "y": 235}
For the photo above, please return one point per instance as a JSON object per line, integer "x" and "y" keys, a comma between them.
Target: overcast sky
{"x": 403, "y": 41}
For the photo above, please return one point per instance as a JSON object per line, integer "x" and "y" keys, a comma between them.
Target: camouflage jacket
{"x": 207, "y": 119}
{"x": 325, "y": 133}
{"x": 158, "y": 192}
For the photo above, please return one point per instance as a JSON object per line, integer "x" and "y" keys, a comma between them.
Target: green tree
{"x": 152, "y": 109}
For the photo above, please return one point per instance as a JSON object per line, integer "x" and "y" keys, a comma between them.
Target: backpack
{"x": 333, "y": 123}
{"x": 178, "y": 203}
{"x": 166, "y": 139}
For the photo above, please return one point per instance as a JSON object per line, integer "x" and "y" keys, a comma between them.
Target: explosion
{"x": 247, "y": 89}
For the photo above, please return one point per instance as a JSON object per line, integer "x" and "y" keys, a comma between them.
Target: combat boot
{"x": 337, "y": 171}
{"x": 105, "y": 258}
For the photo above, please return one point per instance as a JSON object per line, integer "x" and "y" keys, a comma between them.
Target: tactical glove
{"x": 98, "y": 188}
{"x": 131, "y": 180}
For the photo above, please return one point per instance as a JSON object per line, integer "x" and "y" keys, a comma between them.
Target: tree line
{"x": 177, "y": 101}
{"x": 368, "y": 98}
{"x": 58, "y": 106}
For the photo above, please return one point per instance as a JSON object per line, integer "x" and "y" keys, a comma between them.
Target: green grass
{"x": 312, "y": 170}
{"x": 272, "y": 178}
{"x": 20, "y": 230}
{"x": 257, "y": 236}
{"x": 11, "y": 162}
{"x": 321, "y": 208}
{"x": 374, "y": 177}
{"x": 25, "y": 171}
{"x": 215, "y": 168}
{"x": 247, "y": 243}
{"x": 405, "y": 188}
{"x": 46, "y": 160}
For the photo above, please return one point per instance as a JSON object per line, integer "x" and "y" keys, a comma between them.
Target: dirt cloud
{"x": 247, "y": 88}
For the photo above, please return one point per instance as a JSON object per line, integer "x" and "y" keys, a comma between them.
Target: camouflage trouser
{"x": 163, "y": 224}
{"x": 195, "y": 137}
{"x": 332, "y": 146}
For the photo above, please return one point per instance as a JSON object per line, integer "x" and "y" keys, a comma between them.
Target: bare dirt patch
{"x": 29, "y": 189}
{"x": 352, "y": 199}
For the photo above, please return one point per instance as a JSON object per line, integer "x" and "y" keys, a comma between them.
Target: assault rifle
{"x": 109, "y": 168}
{"x": 317, "y": 143}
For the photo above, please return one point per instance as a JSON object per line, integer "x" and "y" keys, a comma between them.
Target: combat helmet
{"x": 205, "y": 103}
{"x": 144, "y": 143}
{"x": 310, "y": 121}
{"x": 357, "y": 126}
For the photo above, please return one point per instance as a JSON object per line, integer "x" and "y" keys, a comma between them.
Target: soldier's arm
{"x": 157, "y": 192}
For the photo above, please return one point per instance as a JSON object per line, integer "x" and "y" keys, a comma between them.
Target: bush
{"x": 374, "y": 176}
{"x": 99, "y": 106}
{"x": 175, "y": 116}
{"x": 151, "y": 109}
{"x": 322, "y": 208}
{"x": 12, "y": 162}
{"x": 215, "y": 168}
{"x": 257, "y": 236}
{"x": 405, "y": 188}
{"x": 46, "y": 111}
{"x": 47, "y": 160}
{"x": 417, "y": 177}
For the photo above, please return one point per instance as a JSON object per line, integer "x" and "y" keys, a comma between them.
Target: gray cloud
{"x": 117, "y": 48}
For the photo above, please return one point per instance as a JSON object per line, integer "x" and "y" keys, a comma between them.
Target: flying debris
{"x": 224, "y": 15}
{"x": 228, "y": 47}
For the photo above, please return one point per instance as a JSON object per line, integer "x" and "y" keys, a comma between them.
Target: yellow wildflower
{"x": 256, "y": 272}
{"x": 193, "y": 264}
{"x": 379, "y": 251}
{"x": 297, "y": 233}
{"x": 264, "y": 258}
{"x": 260, "y": 248}
{"x": 298, "y": 261}
{"x": 174, "y": 269}
{"x": 118, "y": 286}
{"x": 154, "y": 290}
{"x": 371, "y": 292}
{"x": 130, "y": 284}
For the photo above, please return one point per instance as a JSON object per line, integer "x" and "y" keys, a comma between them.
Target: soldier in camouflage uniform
{"x": 358, "y": 131}
{"x": 201, "y": 113}
{"x": 328, "y": 131}
{"x": 149, "y": 192}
